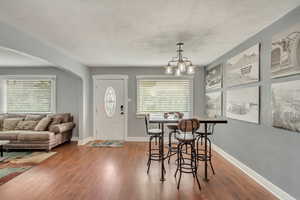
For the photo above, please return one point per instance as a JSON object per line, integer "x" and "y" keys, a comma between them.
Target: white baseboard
{"x": 137, "y": 139}
{"x": 74, "y": 139}
{"x": 85, "y": 140}
{"x": 279, "y": 193}
{"x": 145, "y": 139}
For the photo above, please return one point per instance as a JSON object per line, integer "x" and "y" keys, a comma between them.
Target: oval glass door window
{"x": 110, "y": 101}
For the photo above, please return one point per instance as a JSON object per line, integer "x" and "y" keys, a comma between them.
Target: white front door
{"x": 109, "y": 109}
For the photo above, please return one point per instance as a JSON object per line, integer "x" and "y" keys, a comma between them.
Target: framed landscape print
{"x": 214, "y": 104}
{"x": 243, "y": 104}
{"x": 213, "y": 77}
{"x": 286, "y": 105}
{"x": 285, "y": 56}
{"x": 243, "y": 68}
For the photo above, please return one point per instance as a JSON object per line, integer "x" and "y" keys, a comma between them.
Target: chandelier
{"x": 180, "y": 65}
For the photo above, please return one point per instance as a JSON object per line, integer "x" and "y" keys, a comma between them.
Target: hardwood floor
{"x": 87, "y": 173}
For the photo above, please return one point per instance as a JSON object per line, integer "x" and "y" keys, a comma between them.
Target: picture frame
{"x": 285, "y": 53}
{"x": 244, "y": 67}
{"x": 286, "y": 105}
{"x": 214, "y": 77}
{"x": 214, "y": 104}
{"x": 243, "y": 104}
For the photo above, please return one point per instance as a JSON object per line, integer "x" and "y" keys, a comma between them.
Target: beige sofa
{"x": 34, "y": 131}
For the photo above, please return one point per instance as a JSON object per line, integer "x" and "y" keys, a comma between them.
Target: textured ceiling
{"x": 142, "y": 32}
{"x": 13, "y": 58}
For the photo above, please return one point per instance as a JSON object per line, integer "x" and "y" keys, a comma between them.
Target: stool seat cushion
{"x": 184, "y": 136}
{"x": 154, "y": 131}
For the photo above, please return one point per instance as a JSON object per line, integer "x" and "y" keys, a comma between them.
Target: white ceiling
{"x": 142, "y": 32}
{"x": 13, "y": 58}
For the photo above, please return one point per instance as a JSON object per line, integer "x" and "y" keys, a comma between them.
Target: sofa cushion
{"x": 60, "y": 128}
{"x": 43, "y": 124}
{"x": 66, "y": 117}
{"x": 8, "y": 135}
{"x": 35, "y": 135}
{"x": 32, "y": 117}
{"x": 11, "y": 123}
{"x": 54, "y": 128}
{"x": 1, "y": 122}
{"x": 55, "y": 121}
{"x": 26, "y": 125}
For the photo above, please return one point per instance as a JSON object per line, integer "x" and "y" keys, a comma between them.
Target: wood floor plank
{"x": 89, "y": 173}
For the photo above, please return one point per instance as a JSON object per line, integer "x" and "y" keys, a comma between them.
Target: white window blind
{"x": 164, "y": 95}
{"x": 30, "y": 96}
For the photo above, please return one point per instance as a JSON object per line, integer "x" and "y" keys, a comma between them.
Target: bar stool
{"x": 154, "y": 153}
{"x": 186, "y": 137}
{"x": 200, "y": 151}
{"x": 172, "y": 150}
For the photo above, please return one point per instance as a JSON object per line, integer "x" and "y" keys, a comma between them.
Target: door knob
{"x": 122, "y": 109}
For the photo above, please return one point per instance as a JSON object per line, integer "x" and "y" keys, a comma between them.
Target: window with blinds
{"x": 29, "y": 96}
{"x": 164, "y": 95}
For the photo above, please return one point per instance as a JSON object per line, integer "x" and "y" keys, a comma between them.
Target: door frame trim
{"x": 111, "y": 77}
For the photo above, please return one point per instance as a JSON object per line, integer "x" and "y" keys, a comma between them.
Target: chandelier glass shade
{"x": 180, "y": 65}
{"x": 177, "y": 72}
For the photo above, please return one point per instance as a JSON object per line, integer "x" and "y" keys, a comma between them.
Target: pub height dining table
{"x": 161, "y": 120}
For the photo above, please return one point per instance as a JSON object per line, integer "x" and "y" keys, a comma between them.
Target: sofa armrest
{"x": 60, "y": 128}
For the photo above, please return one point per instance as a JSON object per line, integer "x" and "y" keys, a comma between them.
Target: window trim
{"x": 52, "y": 78}
{"x": 163, "y": 77}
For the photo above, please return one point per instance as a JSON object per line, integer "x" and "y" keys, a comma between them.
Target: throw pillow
{"x": 66, "y": 117}
{"x": 11, "y": 123}
{"x": 26, "y": 125}
{"x": 56, "y": 120}
{"x": 54, "y": 129}
{"x": 43, "y": 124}
{"x": 33, "y": 117}
{"x": 1, "y": 123}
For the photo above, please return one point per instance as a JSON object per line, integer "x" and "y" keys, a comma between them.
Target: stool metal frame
{"x": 154, "y": 154}
{"x": 187, "y": 163}
{"x": 200, "y": 152}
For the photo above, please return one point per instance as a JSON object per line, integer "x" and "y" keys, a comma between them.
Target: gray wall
{"x": 272, "y": 152}
{"x": 68, "y": 88}
{"x": 136, "y": 126}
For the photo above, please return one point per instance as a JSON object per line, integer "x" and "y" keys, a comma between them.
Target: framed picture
{"x": 286, "y": 105}
{"x": 213, "y": 77}
{"x": 214, "y": 104}
{"x": 285, "y": 55}
{"x": 243, "y": 68}
{"x": 243, "y": 104}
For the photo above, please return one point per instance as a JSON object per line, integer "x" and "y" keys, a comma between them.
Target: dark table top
{"x": 161, "y": 119}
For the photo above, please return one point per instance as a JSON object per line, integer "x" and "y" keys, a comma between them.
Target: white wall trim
{"x": 164, "y": 76}
{"x": 75, "y": 139}
{"x": 111, "y": 77}
{"x": 29, "y": 76}
{"x": 137, "y": 139}
{"x": 85, "y": 140}
{"x": 51, "y": 78}
{"x": 275, "y": 190}
{"x": 161, "y": 77}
